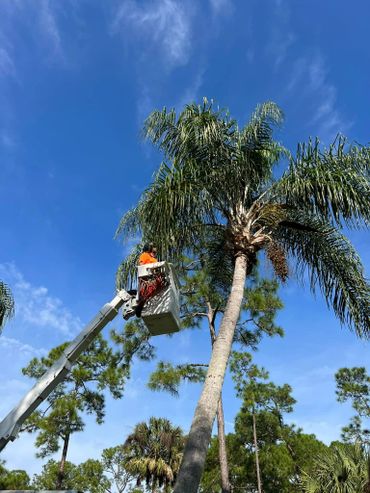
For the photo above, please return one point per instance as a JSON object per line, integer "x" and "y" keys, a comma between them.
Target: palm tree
{"x": 6, "y": 304}
{"x": 343, "y": 470}
{"x": 153, "y": 453}
{"x": 221, "y": 188}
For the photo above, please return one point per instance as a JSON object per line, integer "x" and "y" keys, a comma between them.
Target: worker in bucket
{"x": 148, "y": 256}
{"x": 154, "y": 283}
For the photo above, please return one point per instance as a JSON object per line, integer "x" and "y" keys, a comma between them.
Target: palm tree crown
{"x": 219, "y": 189}
{"x": 154, "y": 452}
{"x": 344, "y": 469}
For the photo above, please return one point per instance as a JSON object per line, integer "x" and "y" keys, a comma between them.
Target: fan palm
{"x": 6, "y": 304}
{"x": 153, "y": 453}
{"x": 342, "y": 470}
{"x": 218, "y": 188}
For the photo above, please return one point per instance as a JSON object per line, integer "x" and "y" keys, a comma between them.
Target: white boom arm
{"x": 11, "y": 424}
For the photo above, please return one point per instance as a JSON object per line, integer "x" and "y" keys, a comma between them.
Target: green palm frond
{"x": 342, "y": 469}
{"x": 333, "y": 265}
{"x": 331, "y": 183}
{"x": 127, "y": 271}
{"x": 219, "y": 261}
{"x": 197, "y": 131}
{"x": 259, "y": 129}
{"x": 173, "y": 210}
{"x": 6, "y": 304}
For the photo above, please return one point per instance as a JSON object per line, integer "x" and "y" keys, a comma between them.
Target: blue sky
{"x": 77, "y": 78}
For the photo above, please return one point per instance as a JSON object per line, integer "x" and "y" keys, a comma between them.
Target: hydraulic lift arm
{"x": 11, "y": 424}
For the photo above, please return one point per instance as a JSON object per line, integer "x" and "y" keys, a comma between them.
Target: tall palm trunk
{"x": 62, "y": 463}
{"x": 222, "y": 451}
{"x": 259, "y": 484}
{"x": 201, "y": 429}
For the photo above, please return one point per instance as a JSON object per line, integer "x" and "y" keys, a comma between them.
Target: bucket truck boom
{"x": 160, "y": 314}
{"x": 12, "y": 423}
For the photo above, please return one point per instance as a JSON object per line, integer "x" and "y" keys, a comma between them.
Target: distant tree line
{"x": 265, "y": 452}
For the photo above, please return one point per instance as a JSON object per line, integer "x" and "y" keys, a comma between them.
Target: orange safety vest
{"x": 147, "y": 258}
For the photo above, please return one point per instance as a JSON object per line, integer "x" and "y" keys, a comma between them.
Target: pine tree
{"x": 81, "y": 392}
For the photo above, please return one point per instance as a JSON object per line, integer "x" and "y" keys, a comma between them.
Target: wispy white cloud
{"x": 144, "y": 104}
{"x": 12, "y": 390}
{"x": 281, "y": 35}
{"x": 36, "y": 307}
{"x": 280, "y": 47}
{"x": 6, "y": 140}
{"x": 7, "y": 66}
{"x": 11, "y": 344}
{"x": 40, "y": 21}
{"x": 191, "y": 93}
{"x": 223, "y": 7}
{"x": 327, "y": 116}
{"x": 297, "y": 73}
{"x": 49, "y": 26}
{"x": 310, "y": 76}
{"x": 164, "y": 23}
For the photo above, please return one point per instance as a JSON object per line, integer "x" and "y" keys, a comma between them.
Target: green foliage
{"x": 277, "y": 468}
{"x": 332, "y": 183}
{"x": 333, "y": 267}
{"x": 260, "y": 306}
{"x": 113, "y": 462}
{"x": 127, "y": 270}
{"x": 343, "y": 468}
{"x": 241, "y": 466}
{"x": 199, "y": 293}
{"x": 153, "y": 453}
{"x": 281, "y": 465}
{"x": 81, "y": 392}
{"x": 353, "y": 384}
{"x": 6, "y": 304}
{"x": 133, "y": 341}
{"x": 256, "y": 394}
{"x": 203, "y": 299}
{"x": 13, "y": 480}
{"x": 87, "y": 476}
{"x": 47, "y": 479}
{"x": 355, "y": 432}
{"x": 168, "y": 377}
{"x": 283, "y": 451}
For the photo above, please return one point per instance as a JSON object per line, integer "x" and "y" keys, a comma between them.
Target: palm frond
{"x": 195, "y": 133}
{"x": 175, "y": 208}
{"x": 6, "y": 304}
{"x": 129, "y": 224}
{"x": 332, "y": 183}
{"x": 333, "y": 265}
{"x": 341, "y": 469}
{"x": 259, "y": 129}
{"x": 127, "y": 271}
{"x": 219, "y": 261}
